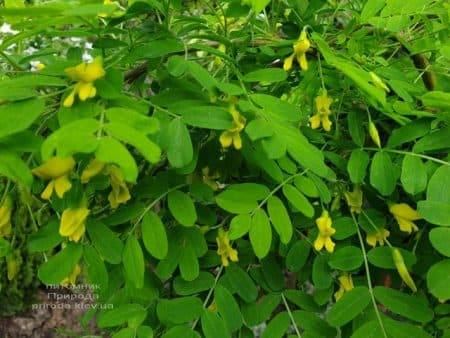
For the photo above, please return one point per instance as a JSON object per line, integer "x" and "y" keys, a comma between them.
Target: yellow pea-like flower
{"x": 56, "y": 170}
{"x": 354, "y": 199}
{"x": 322, "y": 117}
{"x": 85, "y": 74}
{"x": 72, "y": 278}
{"x": 345, "y": 285}
{"x": 94, "y": 168}
{"x": 405, "y": 215}
{"x": 300, "y": 47}
{"x": 323, "y": 239}
{"x": 119, "y": 193}
{"x": 232, "y": 135}
{"x": 402, "y": 270}
{"x": 224, "y": 248}
{"x": 378, "y": 236}
{"x": 73, "y": 223}
{"x": 5, "y": 217}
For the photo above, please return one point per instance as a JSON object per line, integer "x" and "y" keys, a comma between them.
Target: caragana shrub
{"x": 230, "y": 168}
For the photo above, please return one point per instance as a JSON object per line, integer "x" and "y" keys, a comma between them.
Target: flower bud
{"x": 373, "y": 132}
{"x": 402, "y": 270}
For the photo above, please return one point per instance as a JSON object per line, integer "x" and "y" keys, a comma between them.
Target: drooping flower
{"x": 94, "y": 168}
{"x": 345, "y": 285}
{"x": 5, "y": 217}
{"x": 323, "y": 239}
{"x": 73, "y": 223}
{"x": 373, "y": 132}
{"x": 402, "y": 269}
{"x": 322, "y": 116}
{"x": 119, "y": 193}
{"x": 71, "y": 279}
{"x": 224, "y": 248}
{"x": 405, "y": 215}
{"x": 232, "y": 135}
{"x": 378, "y": 82}
{"x": 57, "y": 171}
{"x": 354, "y": 199}
{"x": 378, "y": 236}
{"x": 301, "y": 46}
{"x": 85, "y": 74}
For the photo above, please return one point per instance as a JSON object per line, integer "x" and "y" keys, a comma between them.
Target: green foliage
{"x": 229, "y": 168}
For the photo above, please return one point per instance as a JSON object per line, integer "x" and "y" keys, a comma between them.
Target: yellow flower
{"x": 354, "y": 199}
{"x": 323, "y": 103}
{"x": 325, "y": 232}
{"x": 218, "y": 60}
{"x": 232, "y": 135}
{"x": 345, "y": 285}
{"x": 373, "y": 132}
{"x": 94, "y": 168}
{"x": 57, "y": 171}
{"x": 378, "y": 236}
{"x": 112, "y": 3}
{"x": 73, "y": 223}
{"x": 85, "y": 74}
{"x": 5, "y": 217}
{"x": 119, "y": 193}
{"x": 405, "y": 215}
{"x": 402, "y": 270}
{"x": 301, "y": 46}
{"x": 378, "y": 82}
{"x": 72, "y": 278}
{"x": 224, "y": 249}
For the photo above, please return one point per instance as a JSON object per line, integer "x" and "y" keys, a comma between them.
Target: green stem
{"x": 410, "y": 153}
{"x": 369, "y": 279}
{"x": 286, "y": 305}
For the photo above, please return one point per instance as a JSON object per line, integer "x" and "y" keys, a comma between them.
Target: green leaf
{"x": 241, "y": 283}
{"x": 258, "y": 128}
{"x": 13, "y": 167}
{"x": 371, "y": 8}
{"x": 414, "y": 175}
{"x": 60, "y": 265}
{"x": 208, "y": 117}
{"x": 242, "y": 198}
{"x": 133, "y": 262}
{"x": 105, "y": 241}
{"x": 156, "y": 48}
{"x": 142, "y": 143}
{"x": 181, "y": 331}
{"x": 260, "y": 311}
{"x": 138, "y": 121}
{"x": 278, "y": 326}
{"x": 298, "y": 255}
{"x": 120, "y": 315}
{"x": 349, "y": 306}
{"x": 179, "y": 152}
{"x": 188, "y": 262}
{"x": 213, "y": 326}
{"x": 96, "y": 270}
{"x": 18, "y": 116}
{"x": 266, "y": 75}
{"x": 313, "y": 325}
{"x": 306, "y": 186}
{"x": 112, "y": 151}
{"x": 346, "y": 259}
{"x": 355, "y": 122}
{"x": 280, "y": 109}
{"x": 383, "y": 174}
{"x": 435, "y": 212}
{"x": 203, "y": 282}
{"x": 179, "y": 310}
{"x": 403, "y": 330}
{"x": 228, "y": 308}
{"x": 154, "y": 235}
{"x": 182, "y": 208}
{"x": 280, "y": 218}
{"x": 321, "y": 273}
{"x": 5, "y": 247}
{"x": 440, "y": 238}
{"x": 381, "y": 257}
{"x": 357, "y": 165}
{"x": 298, "y": 200}
{"x": 437, "y": 140}
{"x": 344, "y": 228}
{"x": 46, "y": 238}
{"x": 260, "y": 234}
{"x": 438, "y": 280}
{"x": 239, "y": 226}
{"x": 411, "y": 307}
{"x": 436, "y": 99}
